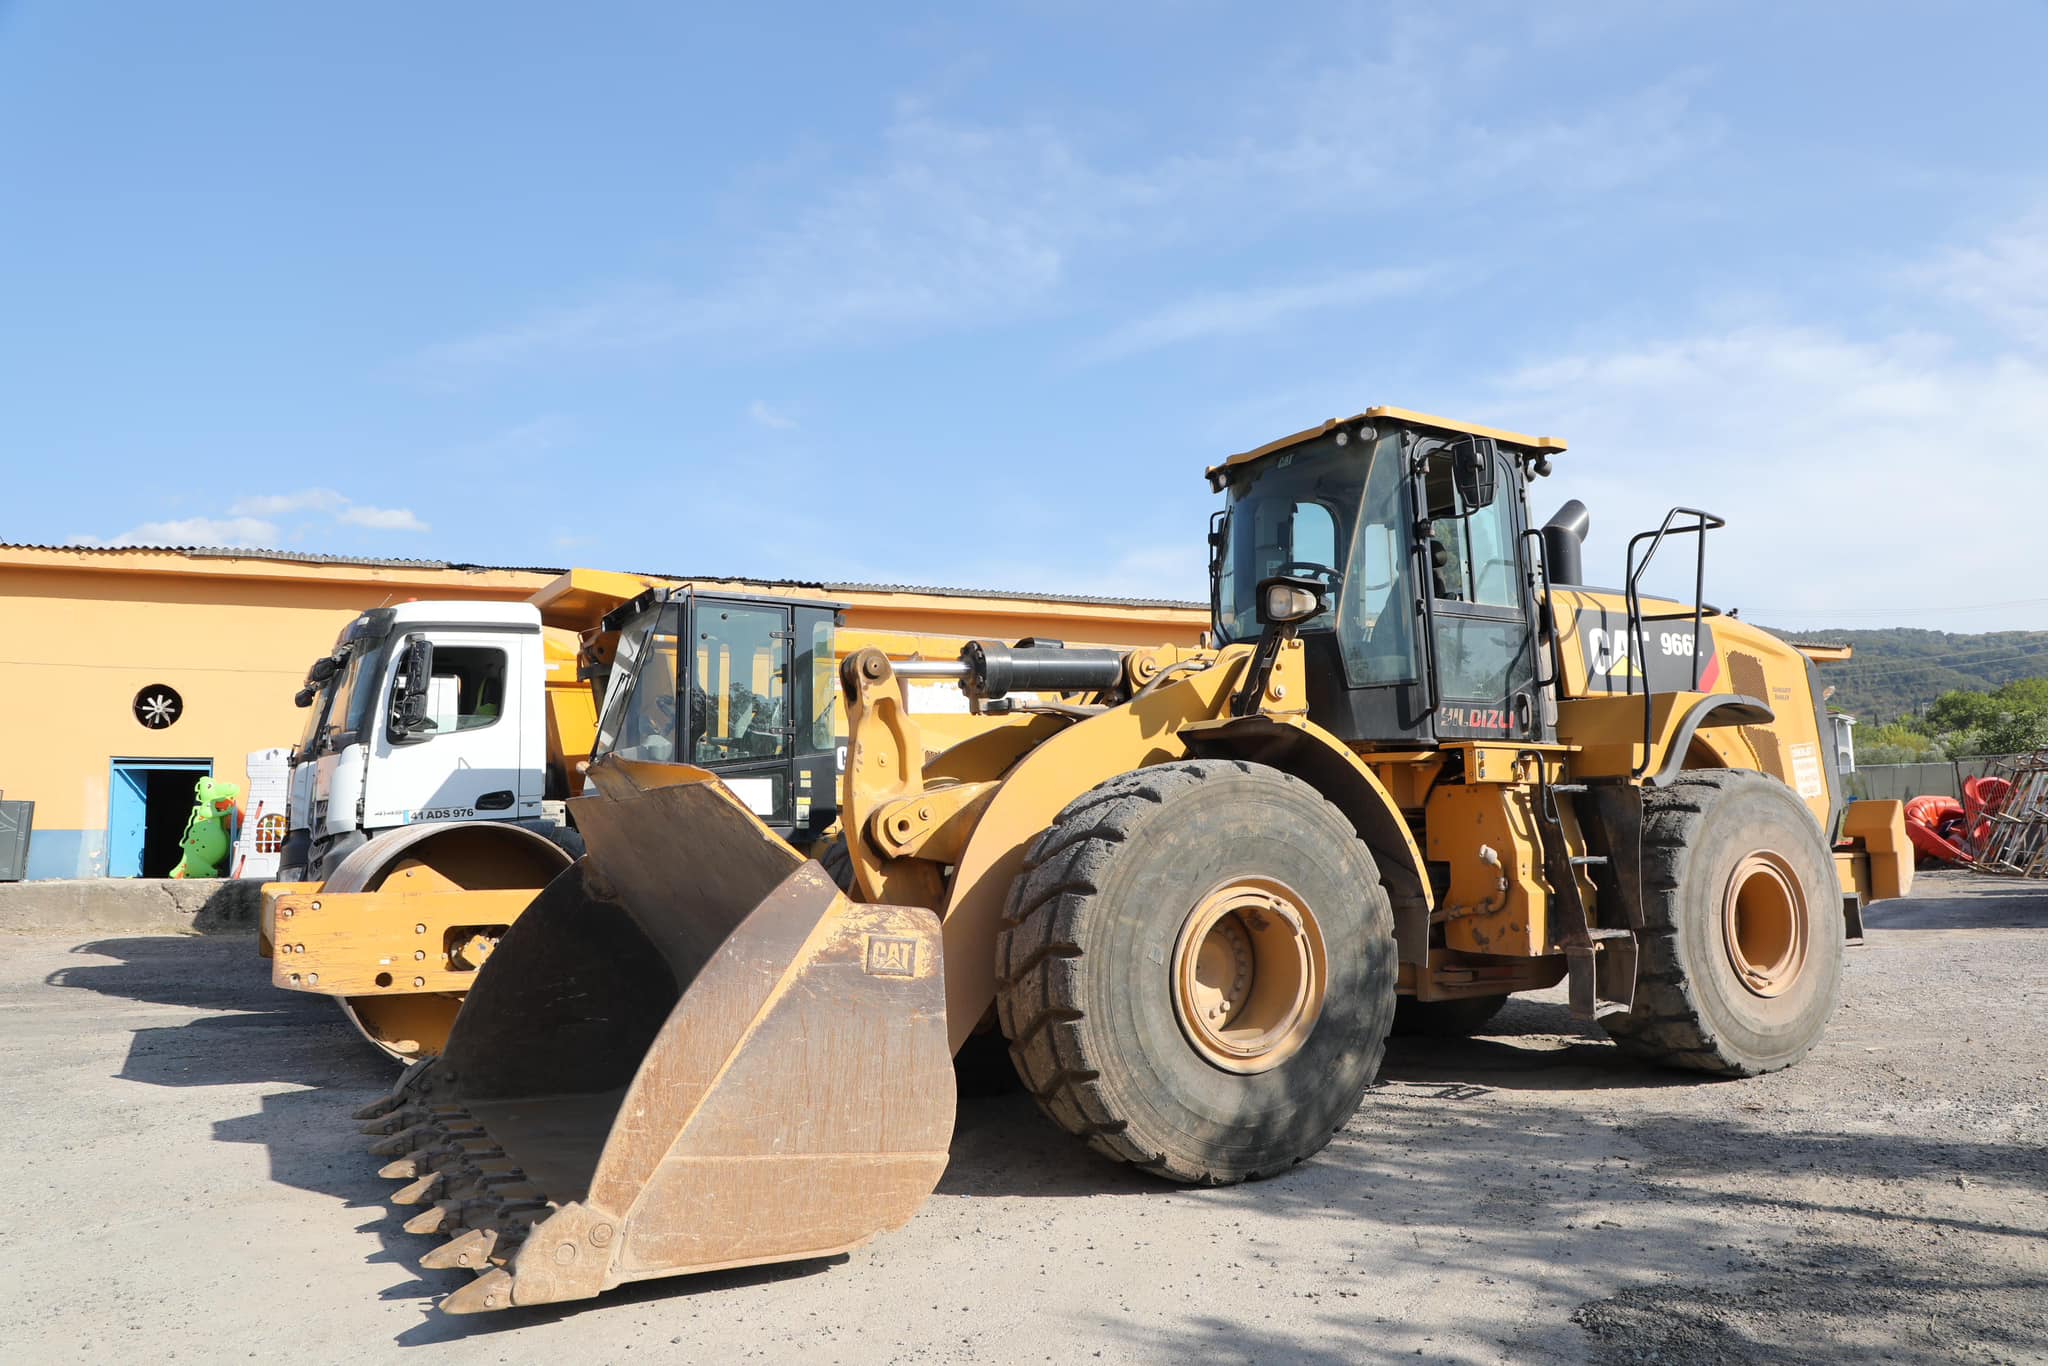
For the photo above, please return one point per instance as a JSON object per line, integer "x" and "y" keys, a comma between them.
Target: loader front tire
{"x": 1740, "y": 955}
{"x": 1197, "y": 970}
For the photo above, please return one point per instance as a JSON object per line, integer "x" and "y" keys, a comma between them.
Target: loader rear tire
{"x": 1147, "y": 906}
{"x": 1445, "y": 1019}
{"x": 1740, "y": 961}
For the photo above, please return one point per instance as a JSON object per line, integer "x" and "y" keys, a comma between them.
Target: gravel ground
{"x": 188, "y": 1186}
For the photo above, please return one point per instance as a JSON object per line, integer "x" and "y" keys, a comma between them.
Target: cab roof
{"x": 1407, "y": 417}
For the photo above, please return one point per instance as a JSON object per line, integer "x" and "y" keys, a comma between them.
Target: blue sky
{"x": 931, "y": 295}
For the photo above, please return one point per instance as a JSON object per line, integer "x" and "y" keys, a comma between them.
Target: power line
{"x": 1989, "y": 652}
{"x": 1944, "y": 608}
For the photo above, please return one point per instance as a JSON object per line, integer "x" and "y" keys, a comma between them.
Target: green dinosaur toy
{"x": 210, "y": 830}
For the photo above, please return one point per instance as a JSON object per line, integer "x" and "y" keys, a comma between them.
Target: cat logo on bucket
{"x": 891, "y": 957}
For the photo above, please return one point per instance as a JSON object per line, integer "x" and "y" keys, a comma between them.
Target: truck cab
{"x": 424, "y": 711}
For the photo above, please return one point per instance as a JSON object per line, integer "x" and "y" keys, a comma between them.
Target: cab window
{"x": 1472, "y": 551}
{"x": 739, "y": 692}
{"x": 467, "y": 690}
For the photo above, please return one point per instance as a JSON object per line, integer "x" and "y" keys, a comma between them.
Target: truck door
{"x": 465, "y": 761}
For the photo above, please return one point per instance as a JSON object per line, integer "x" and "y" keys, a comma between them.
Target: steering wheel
{"x": 1309, "y": 569}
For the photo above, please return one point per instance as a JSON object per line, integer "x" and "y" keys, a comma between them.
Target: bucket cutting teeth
{"x": 420, "y": 1136}
{"x": 469, "y": 1151}
{"x": 404, "y": 1117}
{"x": 472, "y": 1251}
{"x": 381, "y": 1106}
{"x": 492, "y": 1290}
{"x": 443, "y": 1217}
{"x": 453, "y": 1216}
{"x": 415, "y": 1192}
{"x": 502, "y": 1183}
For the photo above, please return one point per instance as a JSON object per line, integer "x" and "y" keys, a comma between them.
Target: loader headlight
{"x": 1286, "y": 601}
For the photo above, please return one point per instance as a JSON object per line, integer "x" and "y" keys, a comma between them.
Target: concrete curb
{"x": 134, "y": 905}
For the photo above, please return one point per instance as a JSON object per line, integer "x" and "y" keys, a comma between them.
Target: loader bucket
{"x": 691, "y": 1052}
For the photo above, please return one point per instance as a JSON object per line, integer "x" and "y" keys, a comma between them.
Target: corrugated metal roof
{"x": 226, "y": 552}
{"x": 215, "y": 552}
{"x": 831, "y": 586}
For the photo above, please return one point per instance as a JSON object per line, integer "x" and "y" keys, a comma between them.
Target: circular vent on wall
{"x": 157, "y": 706}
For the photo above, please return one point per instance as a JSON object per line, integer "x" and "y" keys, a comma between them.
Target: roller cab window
{"x": 640, "y": 711}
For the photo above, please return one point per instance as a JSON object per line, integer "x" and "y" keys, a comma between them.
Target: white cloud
{"x": 2004, "y": 279}
{"x": 1895, "y": 471}
{"x": 253, "y": 521}
{"x": 768, "y": 416}
{"x": 381, "y": 519}
{"x": 952, "y": 223}
{"x": 278, "y": 504}
{"x": 1234, "y": 313}
{"x": 193, "y": 531}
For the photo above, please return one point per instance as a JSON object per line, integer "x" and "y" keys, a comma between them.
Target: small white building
{"x": 1845, "y": 740}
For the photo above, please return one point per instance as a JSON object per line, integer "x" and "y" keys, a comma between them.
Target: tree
{"x": 2010, "y": 720}
{"x": 1896, "y": 744}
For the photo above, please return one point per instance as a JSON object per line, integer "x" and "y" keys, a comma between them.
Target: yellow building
{"x": 127, "y": 673}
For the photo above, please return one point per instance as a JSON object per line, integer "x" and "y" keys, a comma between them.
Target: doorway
{"x": 149, "y": 803}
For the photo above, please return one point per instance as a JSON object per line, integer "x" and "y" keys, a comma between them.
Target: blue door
{"x": 145, "y": 798}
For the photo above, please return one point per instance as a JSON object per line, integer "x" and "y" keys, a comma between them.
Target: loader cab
{"x": 745, "y": 687}
{"x": 1419, "y": 528}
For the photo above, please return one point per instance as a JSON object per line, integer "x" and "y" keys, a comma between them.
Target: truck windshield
{"x": 316, "y": 722}
{"x": 351, "y": 698}
{"x": 1333, "y": 513}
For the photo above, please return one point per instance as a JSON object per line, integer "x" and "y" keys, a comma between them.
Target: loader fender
{"x": 1296, "y": 745}
{"x": 1710, "y": 711}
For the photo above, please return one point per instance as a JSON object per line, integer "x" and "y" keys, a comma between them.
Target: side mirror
{"x": 1472, "y": 469}
{"x": 322, "y": 670}
{"x": 304, "y": 697}
{"x": 1288, "y": 601}
{"x": 409, "y": 694}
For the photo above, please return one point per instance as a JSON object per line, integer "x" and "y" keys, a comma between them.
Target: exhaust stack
{"x": 1564, "y": 542}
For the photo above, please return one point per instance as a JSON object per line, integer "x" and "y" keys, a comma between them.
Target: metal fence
{"x": 1899, "y": 782}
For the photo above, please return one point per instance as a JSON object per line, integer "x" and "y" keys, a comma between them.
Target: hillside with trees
{"x": 1901, "y": 672}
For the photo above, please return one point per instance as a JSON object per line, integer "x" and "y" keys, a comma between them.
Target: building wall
{"x": 82, "y": 632}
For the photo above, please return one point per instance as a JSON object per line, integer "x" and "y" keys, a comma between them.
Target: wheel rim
{"x": 1763, "y": 924}
{"x": 1249, "y": 974}
{"x": 405, "y": 1024}
{"x": 403, "y": 1027}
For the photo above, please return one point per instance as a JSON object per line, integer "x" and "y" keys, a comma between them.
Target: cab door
{"x": 1481, "y": 617}
{"x": 464, "y": 763}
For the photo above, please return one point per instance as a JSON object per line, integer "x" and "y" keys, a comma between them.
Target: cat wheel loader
{"x": 1422, "y": 767}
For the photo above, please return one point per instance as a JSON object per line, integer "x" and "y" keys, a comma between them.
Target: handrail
{"x": 1638, "y": 643}
{"x": 1546, "y": 610}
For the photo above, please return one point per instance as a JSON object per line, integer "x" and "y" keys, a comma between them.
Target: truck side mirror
{"x": 1472, "y": 467}
{"x": 409, "y": 694}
